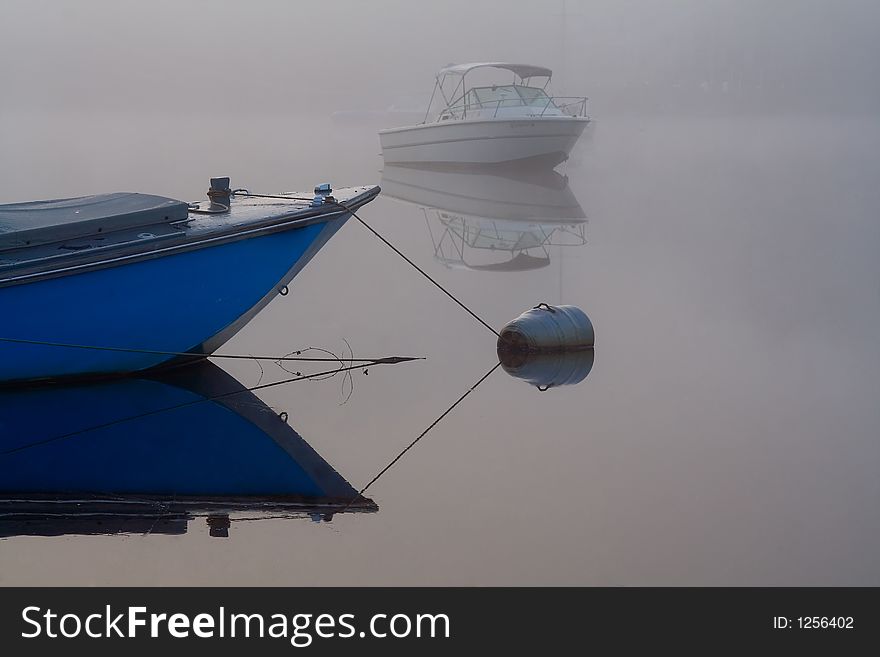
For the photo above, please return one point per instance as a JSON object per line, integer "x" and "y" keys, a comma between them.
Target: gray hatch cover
{"x": 44, "y": 222}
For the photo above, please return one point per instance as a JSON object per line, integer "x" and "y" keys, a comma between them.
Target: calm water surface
{"x": 727, "y": 433}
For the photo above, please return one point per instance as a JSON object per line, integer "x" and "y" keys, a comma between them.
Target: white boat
{"x": 490, "y": 124}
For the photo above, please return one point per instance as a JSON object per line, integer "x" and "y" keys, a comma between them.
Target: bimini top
{"x": 522, "y": 70}
{"x": 44, "y": 222}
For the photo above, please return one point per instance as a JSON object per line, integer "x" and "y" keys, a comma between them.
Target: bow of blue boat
{"x": 123, "y": 283}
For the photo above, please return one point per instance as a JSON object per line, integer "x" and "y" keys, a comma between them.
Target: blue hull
{"x": 188, "y": 302}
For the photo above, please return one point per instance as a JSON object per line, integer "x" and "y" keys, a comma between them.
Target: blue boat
{"x": 150, "y": 281}
{"x": 150, "y": 454}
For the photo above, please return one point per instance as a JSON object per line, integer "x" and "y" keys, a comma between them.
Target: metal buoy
{"x": 548, "y": 346}
{"x": 547, "y": 328}
{"x": 548, "y": 370}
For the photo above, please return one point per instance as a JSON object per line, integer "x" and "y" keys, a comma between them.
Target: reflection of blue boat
{"x": 116, "y": 456}
{"x": 140, "y": 273}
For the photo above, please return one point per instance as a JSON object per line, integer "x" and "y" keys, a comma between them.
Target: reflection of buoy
{"x": 547, "y": 328}
{"x": 548, "y": 370}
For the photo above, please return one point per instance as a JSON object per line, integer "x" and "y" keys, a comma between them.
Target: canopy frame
{"x": 521, "y": 72}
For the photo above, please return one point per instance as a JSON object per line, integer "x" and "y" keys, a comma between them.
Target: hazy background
{"x": 118, "y": 91}
{"x": 728, "y": 431}
{"x": 210, "y": 58}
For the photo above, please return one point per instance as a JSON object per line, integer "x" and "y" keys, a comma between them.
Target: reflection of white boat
{"x": 498, "y": 219}
{"x": 490, "y": 124}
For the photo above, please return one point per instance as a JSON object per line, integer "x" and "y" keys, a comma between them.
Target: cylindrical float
{"x": 548, "y": 346}
{"x": 547, "y": 328}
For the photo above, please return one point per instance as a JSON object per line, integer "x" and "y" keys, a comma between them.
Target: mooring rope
{"x": 332, "y": 201}
{"x": 368, "y": 361}
{"x": 106, "y": 425}
{"x": 424, "y": 273}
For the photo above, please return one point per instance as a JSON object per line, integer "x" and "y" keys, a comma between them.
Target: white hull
{"x": 483, "y": 141}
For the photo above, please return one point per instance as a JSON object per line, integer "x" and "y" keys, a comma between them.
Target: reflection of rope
{"x": 420, "y": 436}
{"x": 341, "y": 360}
{"x": 347, "y": 376}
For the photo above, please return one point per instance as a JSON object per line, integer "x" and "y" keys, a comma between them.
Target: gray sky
{"x": 264, "y": 56}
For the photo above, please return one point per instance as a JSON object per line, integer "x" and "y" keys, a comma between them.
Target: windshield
{"x": 487, "y": 96}
{"x": 500, "y": 97}
{"x": 506, "y": 96}
{"x": 533, "y": 96}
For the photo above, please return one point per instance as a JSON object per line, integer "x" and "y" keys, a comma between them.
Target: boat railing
{"x": 575, "y": 106}
{"x": 571, "y": 105}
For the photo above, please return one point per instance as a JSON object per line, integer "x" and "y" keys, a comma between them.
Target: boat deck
{"x": 247, "y": 216}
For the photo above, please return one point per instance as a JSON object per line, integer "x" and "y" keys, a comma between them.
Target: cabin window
{"x": 471, "y": 101}
{"x": 496, "y": 97}
{"x": 534, "y": 97}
